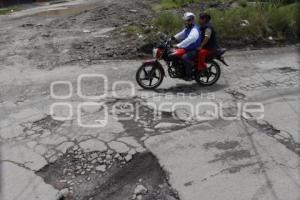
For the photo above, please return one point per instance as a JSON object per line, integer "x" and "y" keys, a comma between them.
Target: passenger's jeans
{"x": 188, "y": 62}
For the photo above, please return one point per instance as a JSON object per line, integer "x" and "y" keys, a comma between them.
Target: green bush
{"x": 229, "y": 22}
{"x": 168, "y": 23}
{"x": 283, "y": 21}
{"x": 256, "y": 22}
{"x": 243, "y": 3}
{"x": 281, "y": 2}
{"x": 4, "y": 11}
{"x": 10, "y": 9}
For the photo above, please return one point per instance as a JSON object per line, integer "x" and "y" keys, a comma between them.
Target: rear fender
{"x": 156, "y": 64}
{"x": 222, "y": 60}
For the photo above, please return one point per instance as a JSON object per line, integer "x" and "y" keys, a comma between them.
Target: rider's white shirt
{"x": 193, "y": 37}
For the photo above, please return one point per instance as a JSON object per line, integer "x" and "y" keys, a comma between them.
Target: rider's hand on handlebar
{"x": 175, "y": 46}
{"x": 174, "y": 40}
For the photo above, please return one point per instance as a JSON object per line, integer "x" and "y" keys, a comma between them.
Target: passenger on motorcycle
{"x": 209, "y": 43}
{"x": 190, "y": 40}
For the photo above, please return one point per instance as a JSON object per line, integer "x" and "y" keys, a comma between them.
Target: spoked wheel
{"x": 149, "y": 76}
{"x": 210, "y": 76}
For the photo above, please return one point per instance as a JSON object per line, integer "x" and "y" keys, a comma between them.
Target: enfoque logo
{"x": 197, "y": 110}
{"x": 65, "y": 104}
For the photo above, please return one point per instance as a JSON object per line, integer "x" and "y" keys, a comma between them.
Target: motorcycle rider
{"x": 190, "y": 40}
{"x": 209, "y": 43}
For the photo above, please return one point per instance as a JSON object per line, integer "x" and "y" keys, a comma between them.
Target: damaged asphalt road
{"x": 145, "y": 157}
{"x": 137, "y": 155}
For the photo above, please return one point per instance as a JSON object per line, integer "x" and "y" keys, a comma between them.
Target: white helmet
{"x": 188, "y": 16}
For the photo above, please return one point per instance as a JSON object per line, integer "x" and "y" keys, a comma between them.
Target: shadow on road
{"x": 194, "y": 88}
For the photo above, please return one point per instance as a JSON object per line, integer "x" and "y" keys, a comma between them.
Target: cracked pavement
{"x": 215, "y": 159}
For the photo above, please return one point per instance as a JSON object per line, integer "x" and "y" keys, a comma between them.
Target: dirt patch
{"x": 113, "y": 14}
{"x": 74, "y": 34}
{"x": 77, "y": 176}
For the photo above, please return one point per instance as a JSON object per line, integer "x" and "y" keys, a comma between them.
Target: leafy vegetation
{"x": 4, "y": 11}
{"x": 256, "y": 21}
{"x": 132, "y": 29}
{"x": 168, "y": 23}
{"x": 243, "y": 3}
{"x": 172, "y": 4}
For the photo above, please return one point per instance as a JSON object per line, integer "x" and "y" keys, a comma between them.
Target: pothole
{"x": 48, "y": 123}
{"x": 108, "y": 175}
{"x": 139, "y": 119}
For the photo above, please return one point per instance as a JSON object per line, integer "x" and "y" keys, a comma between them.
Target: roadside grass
{"x": 173, "y": 4}
{"x": 248, "y": 22}
{"x": 168, "y": 23}
{"x": 132, "y": 29}
{"x": 253, "y": 22}
{"x": 283, "y": 21}
{"x": 4, "y": 11}
{"x": 243, "y": 3}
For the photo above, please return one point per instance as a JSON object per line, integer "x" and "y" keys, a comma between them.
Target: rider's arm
{"x": 207, "y": 36}
{"x": 179, "y": 36}
{"x": 193, "y": 37}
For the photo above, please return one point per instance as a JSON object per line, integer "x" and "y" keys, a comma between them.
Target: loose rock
{"x": 101, "y": 168}
{"x": 93, "y": 145}
{"x": 119, "y": 147}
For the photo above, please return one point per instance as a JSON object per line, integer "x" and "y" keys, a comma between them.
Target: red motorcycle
{"x": 151, "y": 74}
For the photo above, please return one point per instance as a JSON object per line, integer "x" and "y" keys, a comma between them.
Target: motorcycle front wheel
{"x": 149, "y": 76}
{"x": 209, "y": 76}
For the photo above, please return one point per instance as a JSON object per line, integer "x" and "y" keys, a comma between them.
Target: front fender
{"x": 156, "y": 64}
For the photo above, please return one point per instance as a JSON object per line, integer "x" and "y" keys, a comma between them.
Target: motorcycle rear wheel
{"x": 147, "y": 74}
{"x": 210, "y": 76}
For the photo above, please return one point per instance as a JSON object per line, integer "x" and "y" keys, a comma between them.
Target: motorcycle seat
{"x": 216, "y": 55}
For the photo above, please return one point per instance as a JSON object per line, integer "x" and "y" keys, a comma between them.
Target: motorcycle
{"x": 151, "y": 74}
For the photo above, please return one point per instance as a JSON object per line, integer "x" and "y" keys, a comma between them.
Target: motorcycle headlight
{"x": 154, "y": 52}
{"x": 157, "y": 53}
